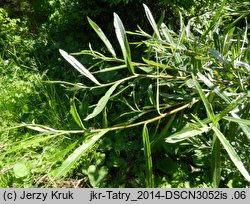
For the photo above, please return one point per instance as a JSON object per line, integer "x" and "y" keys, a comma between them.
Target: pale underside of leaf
{"x": 78, "y": 66}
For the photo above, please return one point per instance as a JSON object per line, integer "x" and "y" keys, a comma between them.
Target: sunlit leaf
{"x": 152, "y": 21}
{"x": 204, "y": 99}
{"x": 20, "y": 169}
{"x": 123, "y": 41}
{"x": 103, "y": 37}
{"x": 102, "y": 102}
{"x": 186, "y": 133}
{"x": 78, "y": 66}
{"x": 213, "y": 87}
{"x": 232, "y": 154}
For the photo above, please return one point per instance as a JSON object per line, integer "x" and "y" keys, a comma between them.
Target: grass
{"x": 176, "y": 117}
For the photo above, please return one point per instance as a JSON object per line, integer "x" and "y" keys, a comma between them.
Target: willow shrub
{"x": 177, "y": 117}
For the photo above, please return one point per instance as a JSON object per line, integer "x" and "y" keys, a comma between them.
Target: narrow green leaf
{"x": 166, "y": 34}
{"x": 219, "y": 57}
{"x": 244, "y": 127}
{"x": 213, "y": 87}
{"x": 61, "y": 154}
{"x": 123, "y": 41}
{"x": 151, "y": 95}
{"x": 216, "y": 162}
{"x": 155, "y": 64}
{"x": 229, "y": 108}
{"x": 78, "y": 66}
{"x": 163, "y": 133}
{"x": 186, "y": 133}
{"x": 152, "y": 21}
{"x": 148, "y": 158}
{"x": 75, "y": 114}
{"x": 31, "y": 142}
{"x": 102, "y": 102}
{"x": 77, "y": 154}
{"x": 232, "y": 154}
{"x": 206, "y": 103}
{"x": 103, "y": 37}
{"x": 43, "y": 129}
{"x": 237, "y": 120}
{"x": 215, "y": 19}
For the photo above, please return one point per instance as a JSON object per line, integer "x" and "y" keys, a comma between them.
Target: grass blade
{"x": 232, "y": 154}
{"x": 102, "y": 102}
{"x": 152, "y": 21}
{"x": 123, "y": 41}
{"x": 78, "y": 66}
{"x": 77, "y": 154}
{"x": 103, "y": 37}
{"x": 148, "y": 158}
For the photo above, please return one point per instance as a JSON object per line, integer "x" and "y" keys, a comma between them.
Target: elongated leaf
{"x": 31, "y": 142}
{"x": 186, "y": 133}
{"x": 102, "y": 102}
{"x": 242, "y": 64}
{"x": 215, "y": 19}
{"x": 78, "y": 66}
{"x": 103, "y": 37}
{"x": 237, "y": 120}
{"x": 123, "y": 41}
{"x": 152, "y": 21}
{"x": 163, "y": 133}
{"x": 148, "y": 158}
{"x": 216, "y": 162}
{"x": 44, "y": 129}
{"x": 244, "y": 127}
{"x": 77, "y": 154}
{"x": 204, "y": 99}
{"x": 60, "y": 155}
{"x": 229, "y": 108}
{"x": 75, "y": 114}
{"x": 218, "y": 56}
{"x": 166, "y": 33}
{"x": 155, "y": 64}
{"x": 213, "y": 87}
{"x": 232, "y": 154}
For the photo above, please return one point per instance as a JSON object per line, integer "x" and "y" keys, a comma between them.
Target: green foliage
{"x": 175, "y": 114}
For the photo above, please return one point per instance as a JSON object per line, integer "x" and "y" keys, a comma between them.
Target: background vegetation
{"x": 160, "y": 100}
